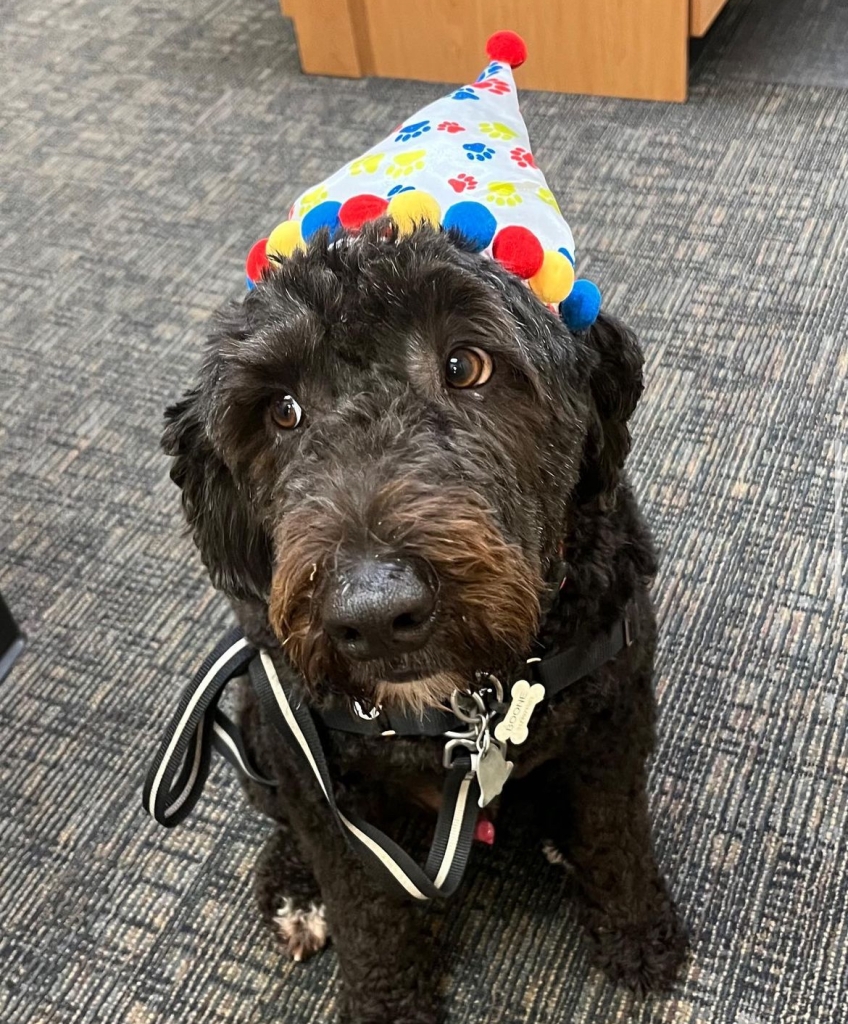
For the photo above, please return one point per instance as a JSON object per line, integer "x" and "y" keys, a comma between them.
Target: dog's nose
{"x": 379, "y": 609}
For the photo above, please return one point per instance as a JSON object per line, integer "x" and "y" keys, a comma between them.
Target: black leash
{"x": 181, "y": 766}
{"x": 474, "y": 756}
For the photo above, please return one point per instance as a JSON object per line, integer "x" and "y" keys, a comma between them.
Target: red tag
{"x": 484, "y": 831}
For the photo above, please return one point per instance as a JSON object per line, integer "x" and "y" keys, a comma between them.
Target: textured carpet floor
{"x": 799, "y": 42}
{"x": 145, "y": 146}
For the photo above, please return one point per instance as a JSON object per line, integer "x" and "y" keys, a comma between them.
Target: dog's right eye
{"x": 468, "y": 368}
{"x": 286, "y": 413}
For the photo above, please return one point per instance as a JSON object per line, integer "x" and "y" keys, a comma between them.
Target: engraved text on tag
{"x": 524, "y": 699}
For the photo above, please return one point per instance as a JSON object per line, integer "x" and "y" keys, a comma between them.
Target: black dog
{"x": 394, "y": 457}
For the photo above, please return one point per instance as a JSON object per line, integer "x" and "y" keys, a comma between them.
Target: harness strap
{"x": 181, "y": 767}
{"x": 560, "y": 670}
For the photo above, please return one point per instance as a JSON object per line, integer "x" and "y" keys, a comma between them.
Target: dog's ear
{"x": 616, "y": 385}
{"x": 234, "y": 548}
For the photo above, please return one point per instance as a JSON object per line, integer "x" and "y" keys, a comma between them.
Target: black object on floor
{"x": 12, "y": 641}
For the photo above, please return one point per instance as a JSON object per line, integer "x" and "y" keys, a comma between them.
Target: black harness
{"x": 477, "y": 733}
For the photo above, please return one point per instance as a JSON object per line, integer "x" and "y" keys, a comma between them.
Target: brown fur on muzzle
{"x": 488, "y": 590}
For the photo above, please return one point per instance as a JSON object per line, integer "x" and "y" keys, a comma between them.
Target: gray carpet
{"x": 798, "y": 42}
{"x": 145, "y": 147}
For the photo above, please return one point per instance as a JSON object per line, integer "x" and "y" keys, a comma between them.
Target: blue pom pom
{"x": 324, "y": 215}
{"x": 580, "y": 310}
{"x": 473, "y": 221}
{"x": 250, "y": 284}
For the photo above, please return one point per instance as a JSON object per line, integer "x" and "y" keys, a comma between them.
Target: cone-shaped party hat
{"x": 463, "y": 163}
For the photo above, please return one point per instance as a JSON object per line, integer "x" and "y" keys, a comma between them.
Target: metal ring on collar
{"x": 468, "y": 716}
{"x": 495, "y": 685}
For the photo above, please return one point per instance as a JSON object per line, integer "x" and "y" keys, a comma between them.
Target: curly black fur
{"x": 359, "y": 332}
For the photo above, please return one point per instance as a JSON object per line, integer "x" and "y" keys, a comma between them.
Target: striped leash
{"x": 181, "y": 766}
{"x": 474, "y": 756}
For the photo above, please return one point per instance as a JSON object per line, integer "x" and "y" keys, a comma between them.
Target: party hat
{"x": 463, "y": 163}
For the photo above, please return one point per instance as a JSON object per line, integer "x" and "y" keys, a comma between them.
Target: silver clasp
{"x": 471, "y": 707}
{"x": 488, "y": 760}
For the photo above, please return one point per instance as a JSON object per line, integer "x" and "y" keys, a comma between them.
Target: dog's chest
{"x": 424, "y": 791}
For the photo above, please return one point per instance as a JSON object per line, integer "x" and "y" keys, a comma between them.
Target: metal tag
{"x": 524, "y": 698}
{"x": 493, "y": 770}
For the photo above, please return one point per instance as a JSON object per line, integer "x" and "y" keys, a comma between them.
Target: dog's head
{"x": 386, "y": 443}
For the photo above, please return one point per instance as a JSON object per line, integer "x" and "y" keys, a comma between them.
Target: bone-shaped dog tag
{"x": 524, "y": 698}
{"x": 493, "y": 770}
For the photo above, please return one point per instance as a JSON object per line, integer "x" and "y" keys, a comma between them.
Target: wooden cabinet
{"x": 702, "y": 13}
{"x": 632, "y": 48}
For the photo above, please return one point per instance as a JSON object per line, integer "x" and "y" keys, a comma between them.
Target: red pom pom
{"x": 257, "y": 261}
{"x": 358, "y": 210}
{"x": 519, "y": 251}
{"x": 508, "y": 47}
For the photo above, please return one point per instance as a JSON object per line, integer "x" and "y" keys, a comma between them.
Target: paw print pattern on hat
{"x": 503, "y": 193}
{"x": 310, "y": 199}
{"x": 497, "y": 85}
{"x": 404, "y": 164}
{"x": 490, "y": 71}
{"x": 498, "y": 131}
{"x": 548, "y": 197}
{"x": 367, "y": 164}
{"x": 412, "y": 131}
{"x": 523, "y": 157}
{"x": 478, "y": 151}
{"x": 418, "y": 176}
{"x": 462, "y": 182}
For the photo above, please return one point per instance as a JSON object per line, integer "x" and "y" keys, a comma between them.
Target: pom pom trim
{"x": 580, "y": 310}
{"x": 473, "y": 221}
{"x": 257, "y": 262}
{"x": 410, "y": 209}
{"x": 358, "y": 210}
{"x": 324, "y": 215}
{"x": 519, "y": 251}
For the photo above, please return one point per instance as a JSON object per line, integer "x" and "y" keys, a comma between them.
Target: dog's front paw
{"x": 645, "y": 957}
{"x": 301, "y": 931}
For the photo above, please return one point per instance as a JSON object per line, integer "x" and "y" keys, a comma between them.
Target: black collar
{"x": 556, "y": 670}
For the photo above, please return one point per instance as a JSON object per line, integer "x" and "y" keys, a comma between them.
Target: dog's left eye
{"x": 468, "y": 367}
{"x": 286, "y": 413}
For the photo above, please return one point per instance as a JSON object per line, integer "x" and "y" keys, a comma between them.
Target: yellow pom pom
{"x": 284, "y": 239}
{"x": 555, "y": 278}
{"x": 409, "y": 209}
